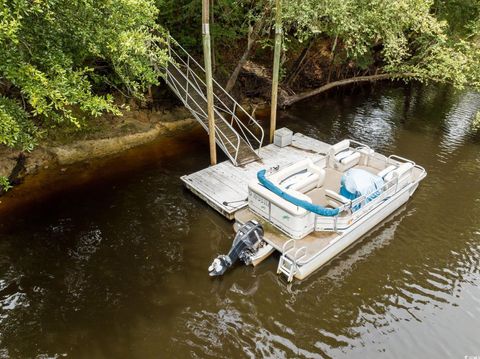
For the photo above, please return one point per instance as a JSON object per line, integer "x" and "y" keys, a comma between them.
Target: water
{"x": 117, "y": 267}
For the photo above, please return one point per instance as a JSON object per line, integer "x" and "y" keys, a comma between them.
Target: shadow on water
{"x": 116, "y": 267}
{"x": 87, "y": 176}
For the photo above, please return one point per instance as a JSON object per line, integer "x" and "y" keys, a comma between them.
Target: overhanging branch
{"x": 290, "y": 100}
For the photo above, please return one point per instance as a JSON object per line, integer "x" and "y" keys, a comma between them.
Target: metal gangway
{"x": 237, "y": 133}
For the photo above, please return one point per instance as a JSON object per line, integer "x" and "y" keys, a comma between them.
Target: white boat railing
{"x": 397, "y": 158}
{"x": 291, "y": 258}
{"x": 360, "y": 144}
{"x": 364, "y": 204}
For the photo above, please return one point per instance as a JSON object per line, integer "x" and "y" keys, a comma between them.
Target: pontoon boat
{"x": 310, "y": 212}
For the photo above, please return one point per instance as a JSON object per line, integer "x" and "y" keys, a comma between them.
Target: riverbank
{"x": 101, "y": 137}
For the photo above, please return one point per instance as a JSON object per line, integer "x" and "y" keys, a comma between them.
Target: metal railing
{"x": 291, "y": 258}
{"x": 367, "y": 202}
{"x": 192, "y": 90}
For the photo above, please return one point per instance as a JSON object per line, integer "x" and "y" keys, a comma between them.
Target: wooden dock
{"x": 225, "y": 187}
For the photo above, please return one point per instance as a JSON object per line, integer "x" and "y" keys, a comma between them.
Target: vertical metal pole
{"x": 208, "y": 80}
{"x": 276, "y": 67}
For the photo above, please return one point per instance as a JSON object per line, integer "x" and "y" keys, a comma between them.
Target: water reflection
{"x": 458, "y": 122}
{"x": 373, "y": 123}
{"x": 118, "y": 268}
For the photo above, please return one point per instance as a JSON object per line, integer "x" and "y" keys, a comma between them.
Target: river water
{"x": 116, "y": 267}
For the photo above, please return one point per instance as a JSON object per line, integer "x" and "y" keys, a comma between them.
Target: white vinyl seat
{"x": 302, "y": 177}
{"x": 383, "y": 173}
{"x": 343, "y": 157}
{"x": 400, "y": 171}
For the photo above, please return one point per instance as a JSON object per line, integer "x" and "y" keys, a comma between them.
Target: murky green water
{"x": 118, "y": 268}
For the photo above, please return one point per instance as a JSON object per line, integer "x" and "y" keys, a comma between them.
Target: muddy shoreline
{"x": 104, "y": 137}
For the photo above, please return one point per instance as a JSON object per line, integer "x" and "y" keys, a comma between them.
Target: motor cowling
{"x": 245, "y": 244}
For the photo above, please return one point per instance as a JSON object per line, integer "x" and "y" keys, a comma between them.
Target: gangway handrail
{"x": 236, "y": 105}
{"x": 235, "y": 146}
{"x": 216, "y": 108}
{"x": 225, "y": 108}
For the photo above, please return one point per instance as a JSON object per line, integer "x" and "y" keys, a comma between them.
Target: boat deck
{"x": 314, "y": 242}
{"x": 225, "y": 187}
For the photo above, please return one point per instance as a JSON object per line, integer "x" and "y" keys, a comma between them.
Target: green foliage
{"x": 61, "y": 60}
{"x": 462, "y": 16}
{"x": 5, "y": 184}
{"x": 15, "y": 129}
{"x": 54, "y": 54}
{"x": 399, "y": 36}
{"x": 232, "y": 19}
{"x": 430, "y": 40}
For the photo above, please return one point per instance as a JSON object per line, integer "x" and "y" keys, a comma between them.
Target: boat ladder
{"x": 291, "y": 255}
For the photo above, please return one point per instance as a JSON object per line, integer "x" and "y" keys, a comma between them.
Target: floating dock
{"x": 224, "y": 186}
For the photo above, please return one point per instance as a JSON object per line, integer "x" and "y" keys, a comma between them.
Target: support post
{"x": 276, "y": 67}
{"x": 207, "y": 54}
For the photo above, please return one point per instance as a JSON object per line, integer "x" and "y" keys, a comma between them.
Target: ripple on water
{"x": 133, "y": 257}
{"x": 14, "y": 301}
{"x": 458, "y": 123}
{"x": 373, "y": 124}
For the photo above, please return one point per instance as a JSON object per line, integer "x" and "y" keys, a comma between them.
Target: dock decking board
{"x": 225, "y": 182}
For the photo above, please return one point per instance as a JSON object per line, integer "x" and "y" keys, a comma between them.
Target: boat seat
{"x": 342, "y": 157}
{"x": 336, "y": 196}
{"x": 334, "y": 199}
{"x": 343, "y": 154}
{"x": 346, "y": 159}
{"x": 383, "y": 173}
{"x": 399, "y": 172}
{"x": 306, "y": 184}
{"x": 304, "y": 177}
{"x": 298, "y": 195}
{"x": 339, "y": 147}
{"x": 350, "y": 160}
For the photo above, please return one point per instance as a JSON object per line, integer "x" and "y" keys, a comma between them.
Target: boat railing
{"x": 288, "y": 246}
{"x": 300, "y": 255}
{"x": 401, "y": 159}
{"x": 360, "y": 145}
{"x": 366, "y": 200}
{"x": 423, "y": 172}
{"x": 365, "y": 203}
{"x": 397, "y": 158}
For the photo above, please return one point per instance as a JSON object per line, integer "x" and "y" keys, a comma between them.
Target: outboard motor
{"x": 245, "y": 245}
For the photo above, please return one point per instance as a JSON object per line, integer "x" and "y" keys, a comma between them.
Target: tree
{"x": 237, "y": 27}
{"x": 394, "y": 38}
{"x": 60, "y": 61}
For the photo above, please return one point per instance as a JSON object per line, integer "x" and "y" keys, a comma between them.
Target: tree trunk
{"x": 288, "y": 101}
{"x": 298, "y": 63}
{"x": 332, "y": 55}
{"x": 253, "y": 34}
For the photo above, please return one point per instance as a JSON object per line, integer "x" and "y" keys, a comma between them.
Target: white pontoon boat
{"x": 310, "y": 212}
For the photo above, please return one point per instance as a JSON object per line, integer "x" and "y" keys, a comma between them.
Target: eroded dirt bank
{"x": 102, "y": 137}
